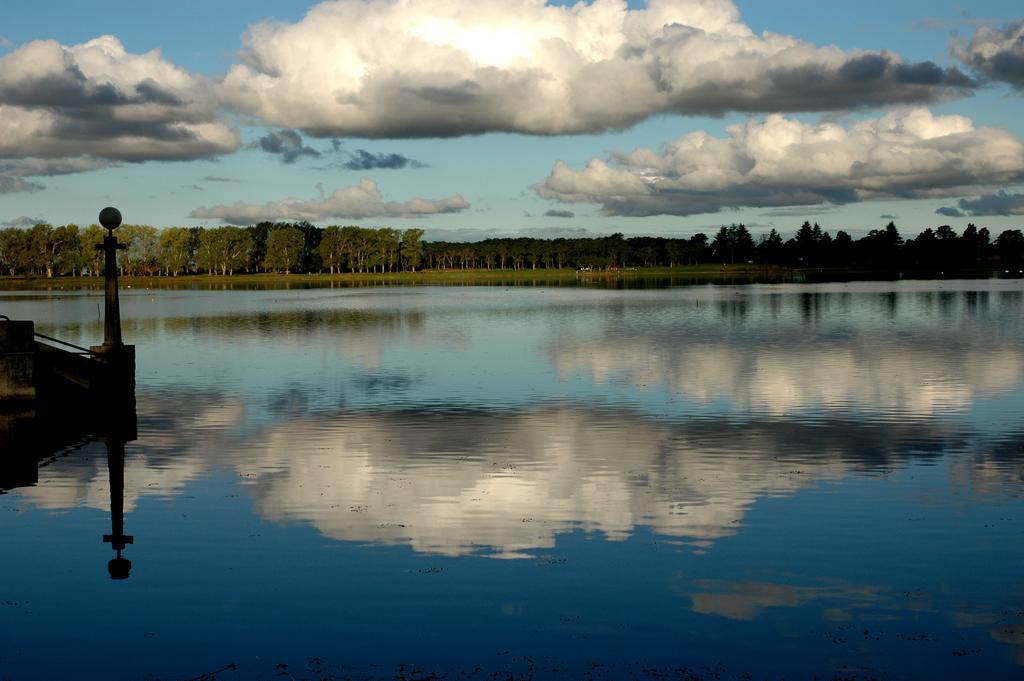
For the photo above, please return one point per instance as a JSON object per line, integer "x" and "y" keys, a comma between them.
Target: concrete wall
{"x": 17, "y": 361}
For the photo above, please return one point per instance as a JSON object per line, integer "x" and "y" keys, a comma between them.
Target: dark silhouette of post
{"x": 119, "y": 567}
{"x": 116, "y": 376}
{"x": 110, "y": 218}
{"x": 117, "y": 425}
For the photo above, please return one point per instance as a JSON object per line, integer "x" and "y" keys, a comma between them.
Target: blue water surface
{"x": 764, "y": 481}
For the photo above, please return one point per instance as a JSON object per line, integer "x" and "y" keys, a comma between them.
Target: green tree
{"x": 310, "y": 260}
{"x": 771, "y": 247}
{"x": 411, "y": 249}
{"x": 141, "y": 254}
{"x": 175, "y": 250}
{"x": 208, "y": 250}
{"x": 14, "y": 246}
{"x": 46, "y": 248}
{"x": 236, "y": 244}
{"x": 284, "y": 249}
{"x": 882, "y": 247}
{"x": 361, "y": 245}
{"x": 388, "y": 243}
{"x": 224, "y": 249}
{"x": 842, "y": 248}
{"x": 349, "y": 253}
{"x": 258, "y": 233}
{"x": 332, "y": 248}
{"x": 733, "y": 244}
{"x": 70, "y": 253}
{"x": 92, "y": 236}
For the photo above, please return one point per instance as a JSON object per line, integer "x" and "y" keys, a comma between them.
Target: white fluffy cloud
{"x": 409, "y": 68}
{"x": 783, "y": 162}
{"x": 355, "y": 203}
{"x": 62, "y": 108}
{"x": 998, "y": 53}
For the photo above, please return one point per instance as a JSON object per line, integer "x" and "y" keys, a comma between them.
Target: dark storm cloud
{"x": 80, "y": 96}
{"x": 996, "y": 53}
{"x": 14, "y": 171}
{"x": 48, "y": 167}
{"x": 1002, "y": 203}
{"x": 284, "y": 143}
{"x": 863, "y": 81}
{"x": 362, "y": 159}
{"x": 555, "y": 213}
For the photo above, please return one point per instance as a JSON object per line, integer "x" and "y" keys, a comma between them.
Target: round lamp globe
{"x": 110, "y": 217}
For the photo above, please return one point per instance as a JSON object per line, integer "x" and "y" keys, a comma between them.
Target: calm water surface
{"x": 785, "y": 481}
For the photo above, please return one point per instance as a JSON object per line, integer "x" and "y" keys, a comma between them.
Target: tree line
{"x": 266, "y": 247}
{"x": 284, "y": 247}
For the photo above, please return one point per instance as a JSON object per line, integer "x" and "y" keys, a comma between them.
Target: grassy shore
{"x": 426, "y": 278}
{"x": 644, "y": 277}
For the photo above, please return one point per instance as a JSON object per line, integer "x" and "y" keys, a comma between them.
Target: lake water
{"x": 780, "y": 481}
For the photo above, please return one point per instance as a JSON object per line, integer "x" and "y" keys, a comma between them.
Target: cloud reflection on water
{"x": 745, "y": 600}
{"x": 498, "y": 482}
{"x": 915, "y": 377}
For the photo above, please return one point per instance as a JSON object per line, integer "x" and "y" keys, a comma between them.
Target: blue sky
{"x": 496, "y": 173}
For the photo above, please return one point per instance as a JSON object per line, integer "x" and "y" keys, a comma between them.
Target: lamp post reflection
{"x": 119, "y": 567}
{"x": 118, "y": 428}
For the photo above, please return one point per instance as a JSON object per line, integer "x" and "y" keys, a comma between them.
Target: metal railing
{"x": 79, "y": 348}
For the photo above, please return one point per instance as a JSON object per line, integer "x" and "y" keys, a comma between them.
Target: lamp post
{"x": 110, "y": 218}
{"x": 116, "y": 375}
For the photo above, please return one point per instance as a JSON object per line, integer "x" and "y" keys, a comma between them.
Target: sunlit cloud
{"x": 97, "y": 99}
{"x": 431, "y": 68}
{"x": 364, "y": 200}
{"x": 746, "y": 600}
{"x": 780, "y": 162}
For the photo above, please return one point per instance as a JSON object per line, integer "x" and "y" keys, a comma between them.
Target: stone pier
{"x": 17, "y": 362}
